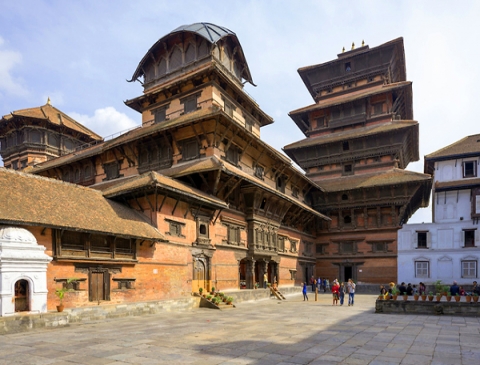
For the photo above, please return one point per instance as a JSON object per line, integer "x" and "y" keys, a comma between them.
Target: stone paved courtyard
{"x": 266, "y": 332}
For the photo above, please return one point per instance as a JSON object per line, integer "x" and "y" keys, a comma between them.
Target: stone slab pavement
{"x": 263, "y": 332}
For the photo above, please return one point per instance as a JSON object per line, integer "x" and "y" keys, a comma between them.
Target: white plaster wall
{"x": 445, "y": 253}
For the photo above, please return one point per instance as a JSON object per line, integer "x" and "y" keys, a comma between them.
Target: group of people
{"x": 338, "y": 290}
{"x": 410, "y": 289}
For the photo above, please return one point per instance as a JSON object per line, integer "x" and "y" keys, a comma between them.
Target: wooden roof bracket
{"x": 130, "y": 161}
{"x": 231, "y": 140}
{"x": 223, "y": 135}
{"x": 217, "y": 180}
{"x": 175, "y": 207}
{"x": 163, "y": 202}
{"x": 218, "y": 214}
{"x": 233, "y": 188}
{"x": 214, "y": 133}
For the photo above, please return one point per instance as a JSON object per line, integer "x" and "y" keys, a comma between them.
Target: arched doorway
{"x": 200, "y": 274}
{"x": 22, "y": 302}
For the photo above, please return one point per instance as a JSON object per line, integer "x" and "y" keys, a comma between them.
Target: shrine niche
{"x": 23, "y": 268}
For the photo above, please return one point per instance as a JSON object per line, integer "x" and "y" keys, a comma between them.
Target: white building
{"x": 449, "y": 248}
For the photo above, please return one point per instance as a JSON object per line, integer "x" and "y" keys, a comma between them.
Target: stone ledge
{"x": 428, "y": 308}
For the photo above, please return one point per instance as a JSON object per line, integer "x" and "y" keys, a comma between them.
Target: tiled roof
{"x": 153, "y": 179}
{"x": 352, "y": 96}
{"x": 141, "y": 132}
{"x": 389, "y": 177}
{"x": 457, "y": 184}
{"x": 54, "y": 116}
{"x": 466, "y": 146}
{"x": 40, "y": 201}
{"x": 212, "y": 163}
{"x": 353, "y": 133}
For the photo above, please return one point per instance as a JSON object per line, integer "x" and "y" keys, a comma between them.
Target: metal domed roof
{"x": 211, "y": 32}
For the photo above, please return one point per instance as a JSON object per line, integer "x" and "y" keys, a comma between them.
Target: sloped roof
{"x": 213, "y": 163}
{"x": 352, "y": 96}
{"x": 457, "y": 184}
{"x": 466, "y": 147}
{"x": 211, "y": 32}
{"x": 54, "y": 116}
{"x": 361, "y": 132}
{"x": 389, "y": 177}
{"x": 153, "y": 179}
{"x": 39, "y": 201}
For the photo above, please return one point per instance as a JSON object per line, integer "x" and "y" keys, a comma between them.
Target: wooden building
{"x": 219, "y": 206}
{"x": 360, "y": 137}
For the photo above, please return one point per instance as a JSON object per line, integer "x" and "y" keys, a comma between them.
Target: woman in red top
{"x": 335, "y": 289}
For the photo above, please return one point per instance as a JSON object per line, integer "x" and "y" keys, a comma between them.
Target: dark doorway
{"x": 99, "y": 288}
{"x": 21, "y": 296}
{"x": 348, "y": 273}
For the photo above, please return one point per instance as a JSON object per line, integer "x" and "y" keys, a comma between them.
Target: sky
{"x": 81, "y": 54}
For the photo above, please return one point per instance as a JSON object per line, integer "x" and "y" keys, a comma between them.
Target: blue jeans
{"x": 350, "y": 298}
{"x": 342, "y": 297}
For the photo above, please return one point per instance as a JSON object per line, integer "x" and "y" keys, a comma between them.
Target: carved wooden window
{"x": 87, "y": 172}
{"x": 100, "y": 243}
{"x": 281, "y": 243}
{"x": 73, "y": 240}
{"x": 469, "y": 169}
{"x": 228, "y": 107}
{"x": 379, "y": 246}
{"x": 124, "y": 283}
{"x": 112, "y": 170}
{"x": 175, "y": 228}
{"x": 320, "y": 122}
{"x": 295, "y": 192}
{"x": 348, "y": 169}
{"x": 259, "y": 170}
{"x": 190, "y": 103}
{"x": 23, "y": 164}
{"x": 348, "y": 67}
{"x": 377, "y": 108}
{"x": 232, "y": 155}
{"x": 233, "y": 235}
{"x": 54, "y": 140}
{"x": 280, "y": 180}
{"x": 344, "y": 197}
{"x": 124, "y": 245}
{"x": 263, "y": 203}
{"x": 190, "y": 149}
{"x": 160, "y": 114}
{"x": 320, "y": 249}
{"x": 293, "y": 246}
{"x": 35, "y": 136}
{"x": 422, "y": 269}
{"x": 248, "y": 124}
{"x": 347, "y": 247}
{"x": 345, "y": 146}
{"x": 469, "y": 269}
{"x": 347, "y": 219}
{"x": 469, "y": 238}
{"x": 66, "y": 176}
{"x": 68, "y": 144}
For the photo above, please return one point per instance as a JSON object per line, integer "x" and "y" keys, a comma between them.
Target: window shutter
{"x": 415, "y": 239}
{"x": 106, "y": 281}
{"x": 429, "y": 239}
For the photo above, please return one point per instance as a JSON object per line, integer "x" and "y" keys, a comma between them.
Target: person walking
{"x": 265, "y": 281}
{"x": 351, "y": 291}
{"x": 342, "y": 292}
{"x": 304, "y": 291}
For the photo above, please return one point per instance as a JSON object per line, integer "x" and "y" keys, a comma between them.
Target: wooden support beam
{"x": 175, "y": 207}
{"x": 149, "y": 202}
{"x": 223, "y": 135}
{"x": 138, "y": 203}
{"x": 161, "y": 204}
{"x": 197, "y": 136}
{"x": 186, "y": 211}
{"x": 240, "y": 155}
{"x": 204, "y": 179}
{"x": 217, "y": 180}
{"x": 129, "y": 160}
{"x": 226, "y": 184}
{"x": 233, "y": 188}
{"x": 255, "y": 162}
{"x": 231, "y": 140}
{"x": 214, "y": 132}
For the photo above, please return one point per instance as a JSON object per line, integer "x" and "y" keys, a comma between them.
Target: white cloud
{"x": 105, "y": 121}
{"x": 8, "y": 83}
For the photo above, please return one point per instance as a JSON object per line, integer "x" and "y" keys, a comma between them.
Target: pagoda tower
{"x": 360, "y": 137}
{"x": 34, "y": 135}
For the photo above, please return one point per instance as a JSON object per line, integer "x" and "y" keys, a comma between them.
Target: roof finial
{"x": 343, "y": 49}
{"x": 353, "y": 45}
{"x": 48, "y": 101}
{"x": 363, "y": 42}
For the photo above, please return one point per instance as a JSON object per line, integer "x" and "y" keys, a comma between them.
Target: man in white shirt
{"x": 351, "y": 291}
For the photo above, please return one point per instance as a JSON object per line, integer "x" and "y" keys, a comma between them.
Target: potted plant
{"x": 416, "y": 296}
{"x": 395, "y": 292}
{"x": 229, "y": 300}
{"x": 475, "y": 297}
{"x": 448, "y": 296}
{"x": 468, "y": 297}
{"x": 457, "y": 297}
{"x": 446, "y": 289}
{"x": 212, "y": 291}
{"x": 405, "y": 296}
{"x": 424, "y": 297}
{"x": 439, "y": 287}
{"x": 430, "y": 296}
{"x": 200, "y": 290}
{"x": 438, "y": 296}
{"x": 209, "y": 297}
{"x": 60, "y": 293}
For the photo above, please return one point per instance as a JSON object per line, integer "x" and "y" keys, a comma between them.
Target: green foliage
{"x": 449, "y": 294}
{"x": 438, "y": 286}
{"x": 229, "y": 299}
{"x": 209, "y": 297}
{"x": 60, "y": 293}
{"x": 395, "y": 291}
{"x": 200, "y": 290}
{"x": 430, "y": 293}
